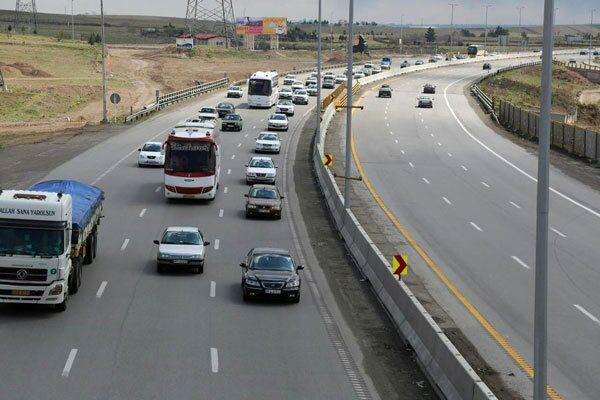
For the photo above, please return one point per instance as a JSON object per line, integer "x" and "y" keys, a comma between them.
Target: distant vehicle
{"x": 358, "y": 75}
{"x": 310, "y": 81}
{"x": 286, "y": 93}
{"x": 385, "y": 91}
{"x": 328, "y": 83}
{"x": 225, "y": 108}
{"x": 474, "y": 51}
{"x": 341, "y": 79}
{"x": 235, "y": 91}
{"x": 461, "y": 56}
{"x": 368, "y": 65}
{"x": 386, "y": 62}
{"x": 151, "y": 154}
{"x": 208, "y": 113}
{"x": 232, "y": 122}
{"x": 367, "y": 71}
{"x": 572, "y": 61}
{"x": 285, "y": 107}
{"x": 376, "y": 69}
{"x": 180, "y": 247}
{"x": 329, "y": 75}
{"x": 596, "y": 53}
{"x": 419, "y": 62}
{"x": 424, "y": 102}
{"x": 289, "y": 79}
{"x": 192, "y": 164}
{"x": 263, "y": 89}
{"x": 47, "y": 233}
{"x": 297, "y": 85}
{"x": 263, "y": 200}
{"x": 433, "y": 60}
{"x": 405, "y": 64}
{"x": 487, "y": 66}
{"x": 536, "y": 50}
{"x": 270, "y": 273}
{"x": 278, "y": 122}
{"x": 267, "y": 142}
{"x": 493, "y": 54}
{"x": 300, "y": 97}
{"x": 261, "y": 170}
{"x": 438, "y": 57}
{"x": 429, "y": 88}
{"x": 583, "y": 53}
{"x": 312, "y": 90}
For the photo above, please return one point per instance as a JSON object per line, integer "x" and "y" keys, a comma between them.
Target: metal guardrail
{"x": 170, "y": 98}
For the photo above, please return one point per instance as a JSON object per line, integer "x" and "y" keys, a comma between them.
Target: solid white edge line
{"x": 100, "y": 291}
{"x": 564, "y": 196}
{"x": 559, "y": 233}
{"x": 214, "y": 360}
{"x": 213, "y": 288}
{"x": 474, "y": 225}
{"x": 515, "y": 204}
{"x": 217, "y": 242}
{"x": 124, "y": 245}
{"x": 587, "y": 313}
{"x": 142, "y": 212}
{"x": 446, "y": 200}
{"x": 69, "y": 364}
{"x": 520, "y": 262}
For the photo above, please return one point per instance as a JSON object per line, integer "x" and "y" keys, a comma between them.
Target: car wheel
{"x": 160, "y": 269}
{"x": 200, "y": 269}
{"x": 61, "y": 307}
{"x": 278, "y": 216}
{"x": 245, "y": 297}
{"x": 248, "y": 215}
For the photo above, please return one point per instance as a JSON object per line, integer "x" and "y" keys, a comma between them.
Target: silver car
{"x": 181, "y": 246}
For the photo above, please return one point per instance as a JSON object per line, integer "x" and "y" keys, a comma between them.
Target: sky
{"x": 430, "y": 12}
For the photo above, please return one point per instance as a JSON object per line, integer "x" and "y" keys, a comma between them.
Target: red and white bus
{"x": 192, "y": 164}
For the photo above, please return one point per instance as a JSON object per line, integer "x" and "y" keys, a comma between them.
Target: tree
{"x": 98, "y": 38}
{"x": 430, "y": 35}
{"x": 10, "y": 28}
{"x": 466, "y": 33}
{"x": 92, "y": 39}
{"x": 342, "y": 38}
{"x": 60, "y": 36}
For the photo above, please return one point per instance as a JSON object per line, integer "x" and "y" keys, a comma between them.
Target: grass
{"x": 522, "y": 87}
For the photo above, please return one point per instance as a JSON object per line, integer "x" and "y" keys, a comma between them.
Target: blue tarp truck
{"x": 47, "y": 233}
{"x": 386, "y": 62}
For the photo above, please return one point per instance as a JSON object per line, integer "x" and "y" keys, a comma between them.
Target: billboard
{"x": 261, "y": 25}
{"x": 184, "y": 43}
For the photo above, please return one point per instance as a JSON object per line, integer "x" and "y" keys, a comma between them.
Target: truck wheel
{"x": 61, "y": 307}
{"x": 75, "y": 276}
{"x": 89, "y": 251}
{"x": 95, "y": 247}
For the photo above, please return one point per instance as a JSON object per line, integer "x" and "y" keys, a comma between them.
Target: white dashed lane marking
{"x": 485, "y": 184}
{"x": 233, "y": 156}
{"x": 426, "y": 181}
{"x": 449, "y": 154}
{"x": 217, "y": 242}
{"x": 225, "y": 190}
{"x": 221, "y": 213}
{"x": 69, "y": 364}
{"x": 514, "y": 204}
{"x": 463, "y": 167}
{"x": 587, "y": 313}
{"x": 142, "y": 212}
{"x": 520, "y": 262}
{"x": 213, "y": 288}
{"x": 124, "y": 245}
{"x": 101, "y": 289}
{"x": 474, "y": 225}
{"x": 229, "y": 172}
{"x": 447, "y": 201}
{"x": 559, "y": 233}
{"x": 214, "y": 360}
{"x": 411, "y": 164}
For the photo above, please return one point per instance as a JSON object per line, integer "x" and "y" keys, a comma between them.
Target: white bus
{"x": 263, "y": 89}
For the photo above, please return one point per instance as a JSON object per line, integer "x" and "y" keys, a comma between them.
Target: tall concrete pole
{"x": 72, "y": 22}
{"x": 401, "y": 31}
{"x": 348, "y": 166}
{"x": 487, "y": 7}
{"x": 318, "y": 133}
{"x": 540, "y": 330}
{"x": 522, "y": 39}
{"x": 452, "y": 5}
{"x": 104, "y": 99}
{"x": 591, "y": 30}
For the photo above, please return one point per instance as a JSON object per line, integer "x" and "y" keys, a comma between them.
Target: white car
{"x": 289, "y": 79}
{"x": 286, "y": 93}
{"x": 267, "y": 142}
{"x": 367, "y": 71}
{"x": 376, "y": 69}
{"x": 235, "y": 91}
{"x": 300, "y": 97}
{"x": 278, "y": 122}
{"x": 341, "y": 79}
{"x": 419, "y": 62}
{"x": 493, "y": 54}
{"x": 358, "y": 75}
{"x": 329, "y": 75}
{"x": 312, "y": 90}
{"x": 208, "y": 113}
{"x": 311, "y": 81}
{"x": 297, "y": 85}
{"x": 181, "y": 246}
{"x": 261, "y": 170}
{"x": 285, "y": 107}
{"x": 151, "y": 154}
{"x": 368, "y": 65}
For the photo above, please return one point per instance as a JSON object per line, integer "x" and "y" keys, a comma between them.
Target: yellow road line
{"x": 514, "y": 354}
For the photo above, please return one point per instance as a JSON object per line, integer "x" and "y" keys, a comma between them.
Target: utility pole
{"x": 522, "y": 39}
{"x": 487, "y": 7}
{"x": 540, "y": 330}
{"x": 72, "y": 22}
{"x": 104, "y": 103}
{"x": 452, "y": 5}
{"x": 401, "y": 28}
{"x": 318, "y": 133}
{"x": 348, "y": 166}
{"x": 331, "y": 31}
{"x": 591, "y": 30}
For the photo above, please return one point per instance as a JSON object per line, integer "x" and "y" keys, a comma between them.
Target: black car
{"x": 225, "y": 108}
{"x": 583, "y": 53}
{"x": 385, "y": 91}
{"x": 404, "y": 64}
{"x": 487, "y": 66}
{"x": 596, "y": 53}
{"x": 270, "y": 273}
{"x": 232, "y": 122}
{"x": 428, "y": 88}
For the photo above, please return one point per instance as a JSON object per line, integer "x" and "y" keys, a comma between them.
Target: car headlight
{"x": 250, "y": 174}
{"x": 276, "y": 208}
{"x": 293, "y": 283}
{"x": 252, "y": 282}
{"x": 164, "y": 255}
{"x": 271, "y": 175}
{"x": 251, "y": 206}
{"x": 56, "y": 290}
{"x": 196, "y": 257}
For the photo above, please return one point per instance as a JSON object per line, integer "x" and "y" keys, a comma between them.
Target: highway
{"x": 133, "y": 334}
{"x": 468, "y": 195}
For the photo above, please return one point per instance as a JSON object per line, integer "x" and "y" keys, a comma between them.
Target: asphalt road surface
{"x": 133, "y": 334}
{"x": 468, "y": 195}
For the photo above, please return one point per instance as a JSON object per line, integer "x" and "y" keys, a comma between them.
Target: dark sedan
{"x": 225, "y": 108}
{"x": 385, "y": 92}
{"x": 270, "y": 273}
{"x": 429, "y": 88}
{"x": 487, "y": 66}
{"x": 232, "y": 122}
{"x": 264, "y": 201}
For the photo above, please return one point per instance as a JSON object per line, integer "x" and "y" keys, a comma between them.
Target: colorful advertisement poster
{"x": 274, "y": 25}
{"x": 249, "y": 25}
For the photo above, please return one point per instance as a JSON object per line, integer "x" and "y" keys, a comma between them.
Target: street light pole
{"x": 104, "y": 102}
{"x": 72, "y": 22}
{"x": 452, "y": 5}
{"x": 401, "y": 31}
{"x": 348, "y": 166}
{"x": 487, "y": 7}
{"x": 318, "y": 133}
{"x": 522, "y": 39}
{"x": 540, "y": 331}
{"x": 591, "y": 30}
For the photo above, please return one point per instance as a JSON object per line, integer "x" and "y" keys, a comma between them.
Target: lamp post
{"x": 452, "y": 5}
{"x": 104, "y": 100}
{"x": 348, "y": 165}
{"x": 401, "y": 31}
{"x": 591, "y": 30}
{"x": 318, "y": 133}
{"x": 72, "y": 22}
{"x": 522, "y": 39}
{"x": 487, "y": 7}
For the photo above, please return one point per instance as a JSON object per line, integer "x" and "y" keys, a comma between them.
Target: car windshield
{"x": 278, "y": 117}
{"x": 285, "y": 90}
{"x": 207, "y": 110}
{"x": 224, "y": 105}
{"x": 285, "y": 103}
{"x": 232, "y": 117}
{"x": 181, "y": 237}
{"x": 261, "y": 163}
{"x": 267, "y": 136}
{"x": 274, "y": 262}
{"x": 264, "y": 193}
{"x": 300, "y": 92}
{"x": 32, "y": 242}
{"x": 152, "y": 147}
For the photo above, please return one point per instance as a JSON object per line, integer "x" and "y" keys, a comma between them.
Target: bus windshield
{"x": 472, "y": 50}
{"x": 193, "y": 156}
{"x": 260, "y": 87}
{"x": 31, "y": 242}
